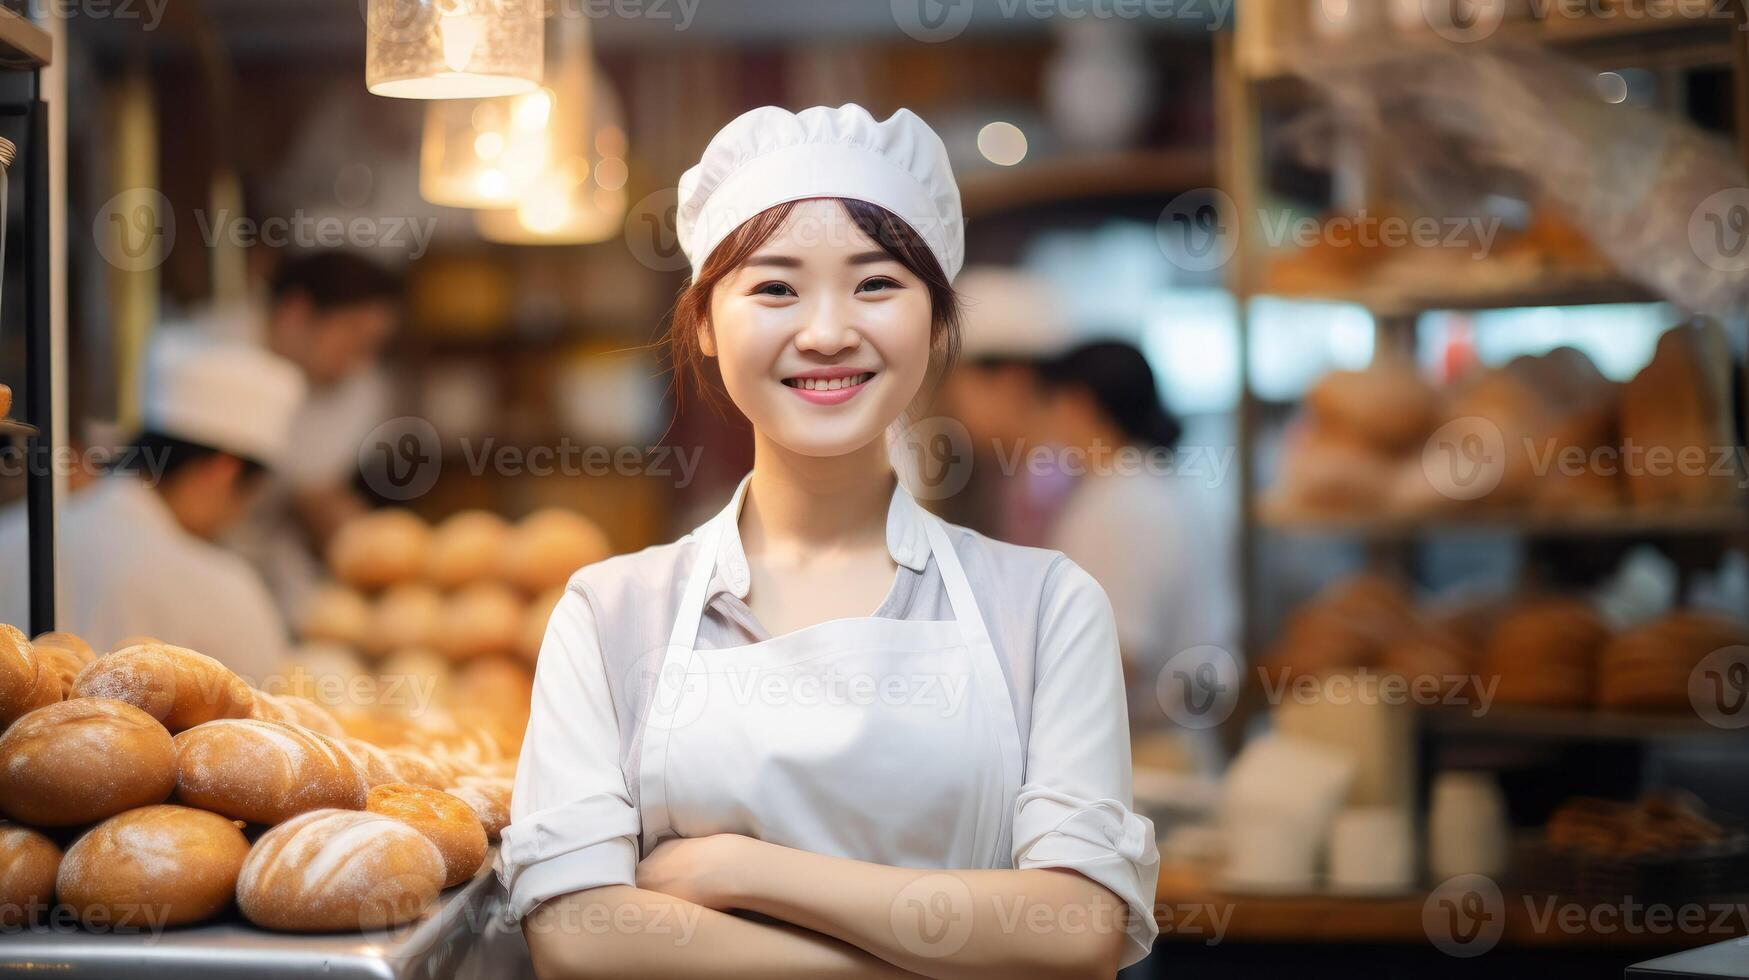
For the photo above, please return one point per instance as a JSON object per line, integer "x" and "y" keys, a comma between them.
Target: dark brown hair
{"x": 895, "y": 237}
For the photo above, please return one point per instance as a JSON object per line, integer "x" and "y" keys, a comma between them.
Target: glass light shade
{"x": 452, "y": 49}
{"x": 579, "y": 197}
{"x": 483, "y": 153}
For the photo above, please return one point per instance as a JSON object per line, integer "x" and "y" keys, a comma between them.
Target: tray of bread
{"x": 1665, "y": 847}
{"x": 150, "y": 790}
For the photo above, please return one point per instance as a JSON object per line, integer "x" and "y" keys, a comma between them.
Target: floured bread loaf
{"x": 332, "y": 870}
{"x": 158, "y": 865}
{"x": 25, "y": 684}
{"x": 380, "y": 549}
{"x": 173, "y": 684}
{"x": 445, "y": 820}
{"x": 264, "y": 772}
{"x": 79, "y": 761}
{"x": 489, "y": 796}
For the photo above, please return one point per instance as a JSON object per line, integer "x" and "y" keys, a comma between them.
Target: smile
{"x": 829, "y": 391}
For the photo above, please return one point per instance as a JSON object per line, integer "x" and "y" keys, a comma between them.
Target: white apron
{"x": 875, "y": 739}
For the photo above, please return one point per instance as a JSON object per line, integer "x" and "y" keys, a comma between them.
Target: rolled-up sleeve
{"x": 572, "y": 824}
{"x": 1075, "y": 809}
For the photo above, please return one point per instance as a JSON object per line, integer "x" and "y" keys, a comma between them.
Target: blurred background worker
{"x": 1144, "y": 518}
{"x": 1013, "y": 323}
{"x": 328, "y": 313}
{"x": 137, "y": 549}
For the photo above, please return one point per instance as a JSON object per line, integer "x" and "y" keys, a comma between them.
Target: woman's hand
{"x": 703, "y": 870}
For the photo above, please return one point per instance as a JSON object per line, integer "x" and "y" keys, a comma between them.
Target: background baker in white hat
{"x": 136, "y": 549}
{"x": 826, "y": 705}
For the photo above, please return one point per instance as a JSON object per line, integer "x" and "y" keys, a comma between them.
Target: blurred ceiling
{"x": 326, "y": 29}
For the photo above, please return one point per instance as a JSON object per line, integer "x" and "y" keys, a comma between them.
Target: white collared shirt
{"x": 575, "y": 822}
{"x": 130, "y": 569}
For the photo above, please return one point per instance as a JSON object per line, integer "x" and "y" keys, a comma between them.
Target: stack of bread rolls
{"x": 155, "y": 788}
{"x": 1543, "y": 651}
{"x": 472, "y": 586}
{"x": 1541, "y": 435}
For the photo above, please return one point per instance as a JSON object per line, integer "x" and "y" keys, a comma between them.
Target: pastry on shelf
{"x": 1544, "y": 654}
{"x": 1677, "y": 435}
{"x": 1651, "y": 667}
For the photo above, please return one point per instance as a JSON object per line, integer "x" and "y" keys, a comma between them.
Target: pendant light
{"x": 482, "y": 153}
{"x": 580, "y": 196}
{"x": 452, "y": 49}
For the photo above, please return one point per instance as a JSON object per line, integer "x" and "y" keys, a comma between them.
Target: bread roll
{"x": 60, "y": 663}
{"x": 28, "y": 862}
{"x": 331, "y": 870}
{"x": 1545, "y": 654}
{"x": 380, "y": 549}
{"x": 70, "y": 642}
{"x": 264, "y": 771}
{"x": 445, "y": 820}
{"x": 157, "y": 865}
{"x": 407, "y": 615}
{"x": 376, "y": 764}
{"x": 294, "y": 710}
{"x": 490, "y": 799}
{"x": 466, "y": 548}
{"x": 482, "y": 620}
{"x": 173, "y": 684}
{"x": 336, "y": 614}
{"x": 5, "y": 400}
{"x": 420, "y": 769}
{"x": 18, "y": 677}
{"x": 549, "y": 545}
{"x": 326, "y": 673}
{"x": 1388, "y": 405}
{"x": 80, "y": 761}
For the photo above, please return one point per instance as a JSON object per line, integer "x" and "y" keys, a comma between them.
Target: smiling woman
{"x": 721, "y": 726}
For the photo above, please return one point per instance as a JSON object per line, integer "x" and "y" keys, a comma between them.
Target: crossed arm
{"x": 826, "y": 917}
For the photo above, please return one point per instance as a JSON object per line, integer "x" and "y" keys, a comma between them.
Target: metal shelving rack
{"x": 27, "y": 48}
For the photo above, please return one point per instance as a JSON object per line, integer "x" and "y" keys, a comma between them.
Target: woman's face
{"x": 823, "y": 338}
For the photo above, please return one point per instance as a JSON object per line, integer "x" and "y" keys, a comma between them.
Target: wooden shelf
{"x": 1602, "y": 42}
{"x": 22, "y": 43}
{"x": 1625, "y": 524}
{"x": 1557, "y": 725}
{"x": 1073, "y": 176}
{"x": 1186, "y": 906}
{"x": 1389, "y": 300}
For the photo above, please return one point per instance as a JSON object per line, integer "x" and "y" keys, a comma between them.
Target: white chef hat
{"x": 221, "y": 394}
{"x": 769, "y": 156}
{"x": 1007, "y": 313}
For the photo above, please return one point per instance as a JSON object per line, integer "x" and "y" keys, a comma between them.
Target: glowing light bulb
{"x": 1002, "y": 143}
{"x": 546, "y": 208}
{"x": 493, "y": 184}
{"x": 533, "y": 110}
{"x": 460, "y": 30}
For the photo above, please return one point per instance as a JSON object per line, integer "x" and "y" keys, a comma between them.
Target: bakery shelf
{"x": 1570, "y": 725}
{"x": 23, "y": 44}
{"x": 1389, "y": 300}
{"x": 12, "y": 427}
{"x": 1623, "y": 524}
{"x": 1160, "y": 171}
{"x": 1671, "y": 41}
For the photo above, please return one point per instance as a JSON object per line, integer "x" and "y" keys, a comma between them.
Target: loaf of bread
{"x": 420, "y": 769}
{"x": 445, "y": 820}
{"x": 24, "y": 684}
{"x": 264, "y": 772}
{"x": 60, "y": 663}
{"x": 534, "y": 623}
{"x": 71, "y": 642}
{"x": 547, "y": 546}
{"x": 466, "y": 548}
{"x": 379, "y": 549}
{"x": 5, "y": 400}
{"x": 28, "y": 863}
{"x": 482, "y": 620}
{"x": 1388, "y": 405}
{"x": 295, "y": 710}
{"x": 1652, "y": 667}
{"x": 1545, "y": 654}
{"x": 79, "y": 761}
{"x": 406, "y": 615}
{"x": 173, "y": 684}
{"x": 376, "y": 763}
{"x": 336, "y": 614}
{"x": 331, "y": 870}
{"x": 155, "y": 866}
{"x": 489, "y": 798}
{"x": 1679, "y": 406}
